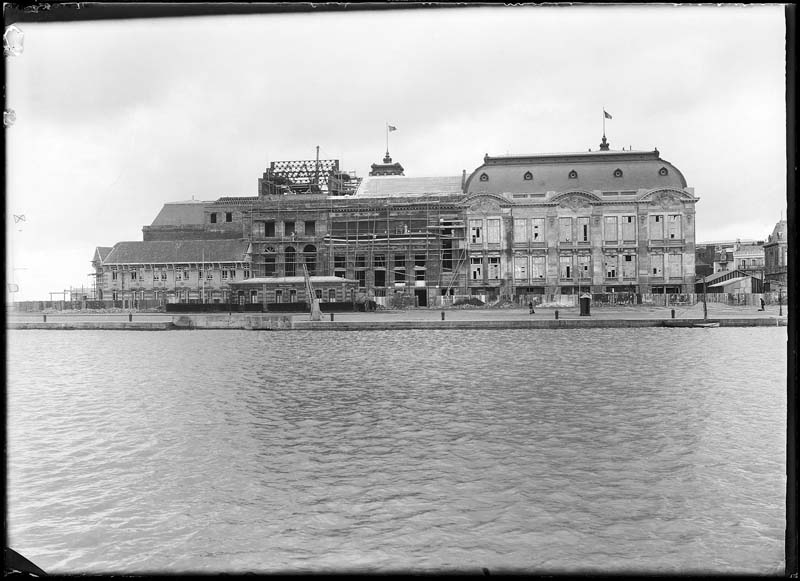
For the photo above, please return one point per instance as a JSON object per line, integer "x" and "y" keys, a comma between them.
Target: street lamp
{"x": 780, "y": 301}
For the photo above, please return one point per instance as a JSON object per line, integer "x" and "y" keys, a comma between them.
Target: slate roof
{"x": 180, "y": 213}
{"x": 101, "y": 252}
{"x": 721, "y": 274}
{"x": 177, "y": 251}
{"x": 402, "y": 186}
{"x": 595, "y": 171}
{"x": 728, "y": 281}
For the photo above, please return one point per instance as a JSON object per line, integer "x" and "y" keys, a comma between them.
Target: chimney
{"x": 463, "y": 179}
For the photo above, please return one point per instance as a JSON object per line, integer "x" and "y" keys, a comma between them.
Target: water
{"x": 539, "y": 450}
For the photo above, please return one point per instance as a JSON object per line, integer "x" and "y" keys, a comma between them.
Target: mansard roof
{"x": 558, "y": 172}
{"x": 180, "y": 213}
{"x": 177, "y": 251}
{"x": 401, "y": 186}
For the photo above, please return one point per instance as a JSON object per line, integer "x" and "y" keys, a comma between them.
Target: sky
{"x": 116, "y": 118}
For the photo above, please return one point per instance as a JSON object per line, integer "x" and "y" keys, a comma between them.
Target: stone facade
{"x": 776, "y": 256}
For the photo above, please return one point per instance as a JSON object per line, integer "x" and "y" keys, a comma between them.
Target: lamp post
{"x": 780, "y": 301}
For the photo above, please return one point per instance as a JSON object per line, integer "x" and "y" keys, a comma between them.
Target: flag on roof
{"x": 606, "y": 115}
{"x": 392, "y": 128}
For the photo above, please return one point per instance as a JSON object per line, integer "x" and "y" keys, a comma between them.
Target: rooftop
{"x": 177, "y": 251}
{"x": 401, "y": 186}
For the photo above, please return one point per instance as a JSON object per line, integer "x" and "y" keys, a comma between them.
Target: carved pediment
{"x": 485, "y": 206}
{"x": 575, "y": 202}
{"x": 666, "y": 199}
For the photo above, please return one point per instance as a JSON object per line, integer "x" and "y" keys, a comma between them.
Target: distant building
{"x": 775, "y": 256}
{"x": 730, "y": 281}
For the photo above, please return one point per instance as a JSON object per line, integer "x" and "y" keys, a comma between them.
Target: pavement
{"x": 715, "y": 311}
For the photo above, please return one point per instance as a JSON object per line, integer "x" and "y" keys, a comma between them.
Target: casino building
{"x": 517, "y": 227}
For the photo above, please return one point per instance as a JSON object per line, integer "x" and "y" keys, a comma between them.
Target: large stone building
{"x": 775, "y": 257}
{"x": 547, "y": 224}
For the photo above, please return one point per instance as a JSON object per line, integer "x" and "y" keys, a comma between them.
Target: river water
{"x": 603, "y": 450}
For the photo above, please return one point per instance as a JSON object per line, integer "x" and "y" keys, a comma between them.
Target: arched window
{"x": 573, "y": 175}
{"x": 528, "y": 176}
{"x": 484, "y": 177}
{"x": 617, "y": 173}
{"x": 290, "y": 266}
{"x": 310, "y": 258}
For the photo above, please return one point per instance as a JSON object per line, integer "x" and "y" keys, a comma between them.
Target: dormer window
{"x": 484, "y": 177}
{"x": 663, "y": 171}
{"x": 528, "y": 176}
{"x": 573, "y": 175}
{"x": 617, "y": 173}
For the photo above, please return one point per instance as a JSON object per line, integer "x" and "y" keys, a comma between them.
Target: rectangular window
{"x": 246, "y": 271}
{"x": 675, "y": 263}
{"x": 475, "y": 231}
{"x": 269, "y": 229}
{"x": 361, "y": 277}
{"x": 565, "y": 267}
{"x": 278, "y": 296}
{"x": 674, "y": 225}
{"x": 163, "y": 275}
{"x": 318, "y": 293}
{"x": 229, "y": 216}
{"x": 209, "y": 275}
{"x": 310, "y": 227}
{"x": 610, "y": 229}
{"x": 292, "y": 296}
{"x": 494, "y": 267}
{"x": 610, "y": 265}
{"x": 380, "y": 277}
{"x": 583, "y": 229}
{"x": 331, "y": 295}
{"x": 288, "y": 229}
{"x": 258, "y": 229}
{"x": 339, "y": 261}
{"x": 537, "y": 230}
{"x": 565, "y": 229}
{"x": 521, "y": 267}
{"x": 493, "y": 231}
{"x": 213, "y": 217}
{"x": 584, "y": 266}
{"x": 538, "y": 268}
{"x": 419, "y": 267}
{"x": 629, "y": 266}
{"x": 476, "y": 267}
{"x": 232, "y": 273}
{"x": 224, "y": 275}
{"x": 133, "y": 275}
{"x": 399, "y": 267}
{"x": 520, "y": 230}
{"x": 629, "y": 228}
{"x": 113, "y": 275}
{"x": 270, "y": 266}
{"x": 254, "y": 296}
{"x": 656, "y": 227}
{"x": 361, "y": 261}
{"x": 379, "y": 261}
{"x": 657, "y": 265}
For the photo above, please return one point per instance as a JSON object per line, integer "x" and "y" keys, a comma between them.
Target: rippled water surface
{"x": 538, "y": 450}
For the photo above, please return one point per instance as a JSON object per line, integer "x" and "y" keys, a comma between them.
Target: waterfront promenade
{"x": 545, "y": 317}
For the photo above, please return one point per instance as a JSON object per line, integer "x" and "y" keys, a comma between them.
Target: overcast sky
{"x": 113, "y": 119}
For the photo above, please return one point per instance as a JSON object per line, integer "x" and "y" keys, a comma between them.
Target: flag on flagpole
{"x": 606, "y": 115}
{"x": 392, "y": 128}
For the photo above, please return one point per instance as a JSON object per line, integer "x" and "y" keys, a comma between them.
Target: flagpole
{"x": 387, "y": 137}
{"x": 604, "y": 120}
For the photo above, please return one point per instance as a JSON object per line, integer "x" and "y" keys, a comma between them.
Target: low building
{"x": 277, "y": 290}
{"x": 730, "y": 281}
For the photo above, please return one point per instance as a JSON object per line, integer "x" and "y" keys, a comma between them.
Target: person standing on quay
{"x": 762, "y": 304}
{"x": 530, "y": 308}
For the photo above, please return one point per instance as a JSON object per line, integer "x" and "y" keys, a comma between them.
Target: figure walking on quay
{"x": 762, "y": 304}
{"x": 530, "y": 308}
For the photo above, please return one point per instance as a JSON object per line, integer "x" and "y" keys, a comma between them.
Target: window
{"x": 224, "y": 275}
{"x": 113, "y": 275}
{"x": 292, "y": 296}
{"x": 229, "y": 216}
{"x": 288, "y": 229}
{"x": 246, "y": 272}
{"x": 617, "y": 173}
{"x": 310, "y": 228}
{"x": 656, "y": 227}
{"x": 476, "y": 267}
{"x": 674, "y": 226}
{"x": 331, "y": 295}
{"x": 269, "y": 229}
{"x": 573, "y": 175}
{"x": 399, "y": 267}
{"x": 361, "y": 261}
{"x": 610, "y": 264}
{"x": 537, "y": 229}
{"x": 254, "y": 296}
{"x": 318, "y": 293}
{"x": 657, "y": 265}
{"x": 484, "y": 177}
{"x": 629, "y": 228}
{"x": 419, "y": 267}
{"x": 258, "y": 229}
{"x": 290, "y": 266}
{"x": 583, "y": 229}
{"x": 475, "y": 228}
{"x": 133, "y": 275}
{"x": 584, "y": 266}
{"x": 675, "y": 263}
{"x": 663, "y": 171}
{"x": 528, "y": 176}
{"x": 565, "y": 229}
{"x": 163, "y": 275}
{"x": 270, "y": 267}
{"x": 494, "y": 267}
{"x": 565, "y": 267}
{"x": 521, "y": 267}
{"x": 610, "y": 229}
{"x": 361, "y": 277}
{"x": 493, "y": 231}
{"x": 213, "y": 218}
{"x": 379, "y": 261}
{"x": 520, "y": 230}
{"x": 538, "y": 267}
{"x": 380, "y": 277}
{"x": 339, "y": 261}
{"x": 278, "y": 296}
{"x": 209, "y": 274}
{"x": 629, "y": 266}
